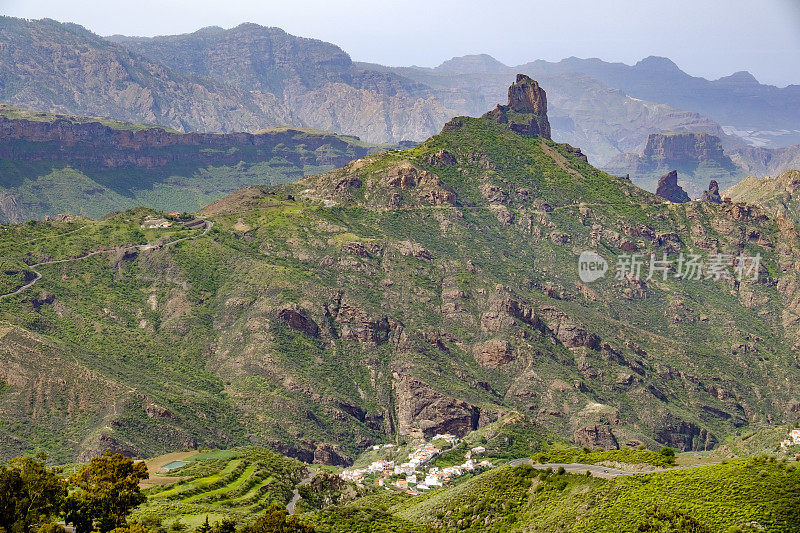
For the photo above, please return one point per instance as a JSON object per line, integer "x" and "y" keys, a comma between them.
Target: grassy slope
{"x": 521, "y": 499}
{"x": 776, "y": 194}
{"x": 193, "y": 328}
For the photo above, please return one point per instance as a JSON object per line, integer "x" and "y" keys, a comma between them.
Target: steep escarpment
{"x": 697, "y": 157}
{"x": 55, "y": 163}
{"x": 417, "y": 291}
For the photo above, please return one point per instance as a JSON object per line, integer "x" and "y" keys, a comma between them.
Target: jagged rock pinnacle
{"x": 526, "y": 111}
{"x": 712, "y": 194}
{"x": 669, "y": 189}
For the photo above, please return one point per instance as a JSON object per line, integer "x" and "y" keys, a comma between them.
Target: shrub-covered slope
{"x": 753, "y": 494}
{"x": 406, "y": 294}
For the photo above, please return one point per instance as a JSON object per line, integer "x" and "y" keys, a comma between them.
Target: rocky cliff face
{"x": 668, "y": 188}
{"x": 48, "y": 65}
{"x": 680, "y": 149}
{"x": 149, "y": 148}
{"x": 761, "y": 162}
{"x": 697, "y": 157}
{"x": 526, "y": 111}
{"x": 316, "y": 81}
{"x": 56, "y": 164}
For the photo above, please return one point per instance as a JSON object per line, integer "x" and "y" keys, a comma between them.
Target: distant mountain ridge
{"x": 250, "y": 77}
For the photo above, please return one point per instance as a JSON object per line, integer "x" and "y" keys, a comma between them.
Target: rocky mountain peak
{"x": 669, "y": 189}
{"x": 657, "y": 63}
{"x": 526, "y": 111}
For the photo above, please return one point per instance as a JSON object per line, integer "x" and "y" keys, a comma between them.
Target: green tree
{"x": 108, "y": 490}
{"x": 30, "y": 494}
{"x": 669, "y": 453}
{"x": 276, "y": 519}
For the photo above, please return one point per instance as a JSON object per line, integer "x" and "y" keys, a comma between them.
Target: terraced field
{"x": 224, "y": 485}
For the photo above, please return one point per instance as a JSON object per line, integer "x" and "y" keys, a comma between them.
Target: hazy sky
{"x": 710, "y": 38}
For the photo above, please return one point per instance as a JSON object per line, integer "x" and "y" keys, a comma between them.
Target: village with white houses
{"x": 415, "y": 475}
{"x": 793, "y": 440}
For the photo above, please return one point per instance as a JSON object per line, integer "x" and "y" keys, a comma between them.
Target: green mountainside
{"x": 52, "y": 164}
{"x": 406, "y": 294}
{"x": 776, "y": 195}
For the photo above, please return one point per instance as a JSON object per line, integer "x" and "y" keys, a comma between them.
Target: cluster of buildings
{"x": 793, "y": 440}
{"x": 413, "y": 475}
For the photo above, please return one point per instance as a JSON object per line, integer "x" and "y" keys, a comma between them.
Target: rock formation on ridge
{"x": 669, "y": 189}
{"x": 712, "y": 194}
{"x": 526, "y": 111}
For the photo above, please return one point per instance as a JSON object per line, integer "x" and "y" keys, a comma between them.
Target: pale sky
{"x": 709, "y": 38}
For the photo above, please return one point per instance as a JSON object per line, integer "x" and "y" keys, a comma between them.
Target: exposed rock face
{"x": 669, "y": 189}
{"x": 356, "y": 325}
{"x": 684, "y": 436}
{"x": 676, "y": 149}
{"x": 712, "y": 194}
{"x": 150, "y": 148}
{"x": 298, "y": 319}
{"x": 698, "y": 157}
{"x": 9, "y": 206}
{"x": 759, "y": 161}
{"x": 526, "y": 111}
{"x": 595, "y": 437}
{"x": 493, "y": 353}
{"x": 325, "y": 454}
{"x": 424, "y": 412}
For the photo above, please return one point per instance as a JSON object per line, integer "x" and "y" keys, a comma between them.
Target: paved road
{"x": 296, "y": 494}
{"x": 141, "y": 247}
{"x": 596, "y": 470}
{"x": 577, "y": 468}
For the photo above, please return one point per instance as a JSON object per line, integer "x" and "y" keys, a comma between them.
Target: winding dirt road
{"x": 207, "y": 224}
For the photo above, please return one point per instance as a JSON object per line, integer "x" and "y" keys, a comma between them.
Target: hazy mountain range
{"x": 250, "y": 77}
